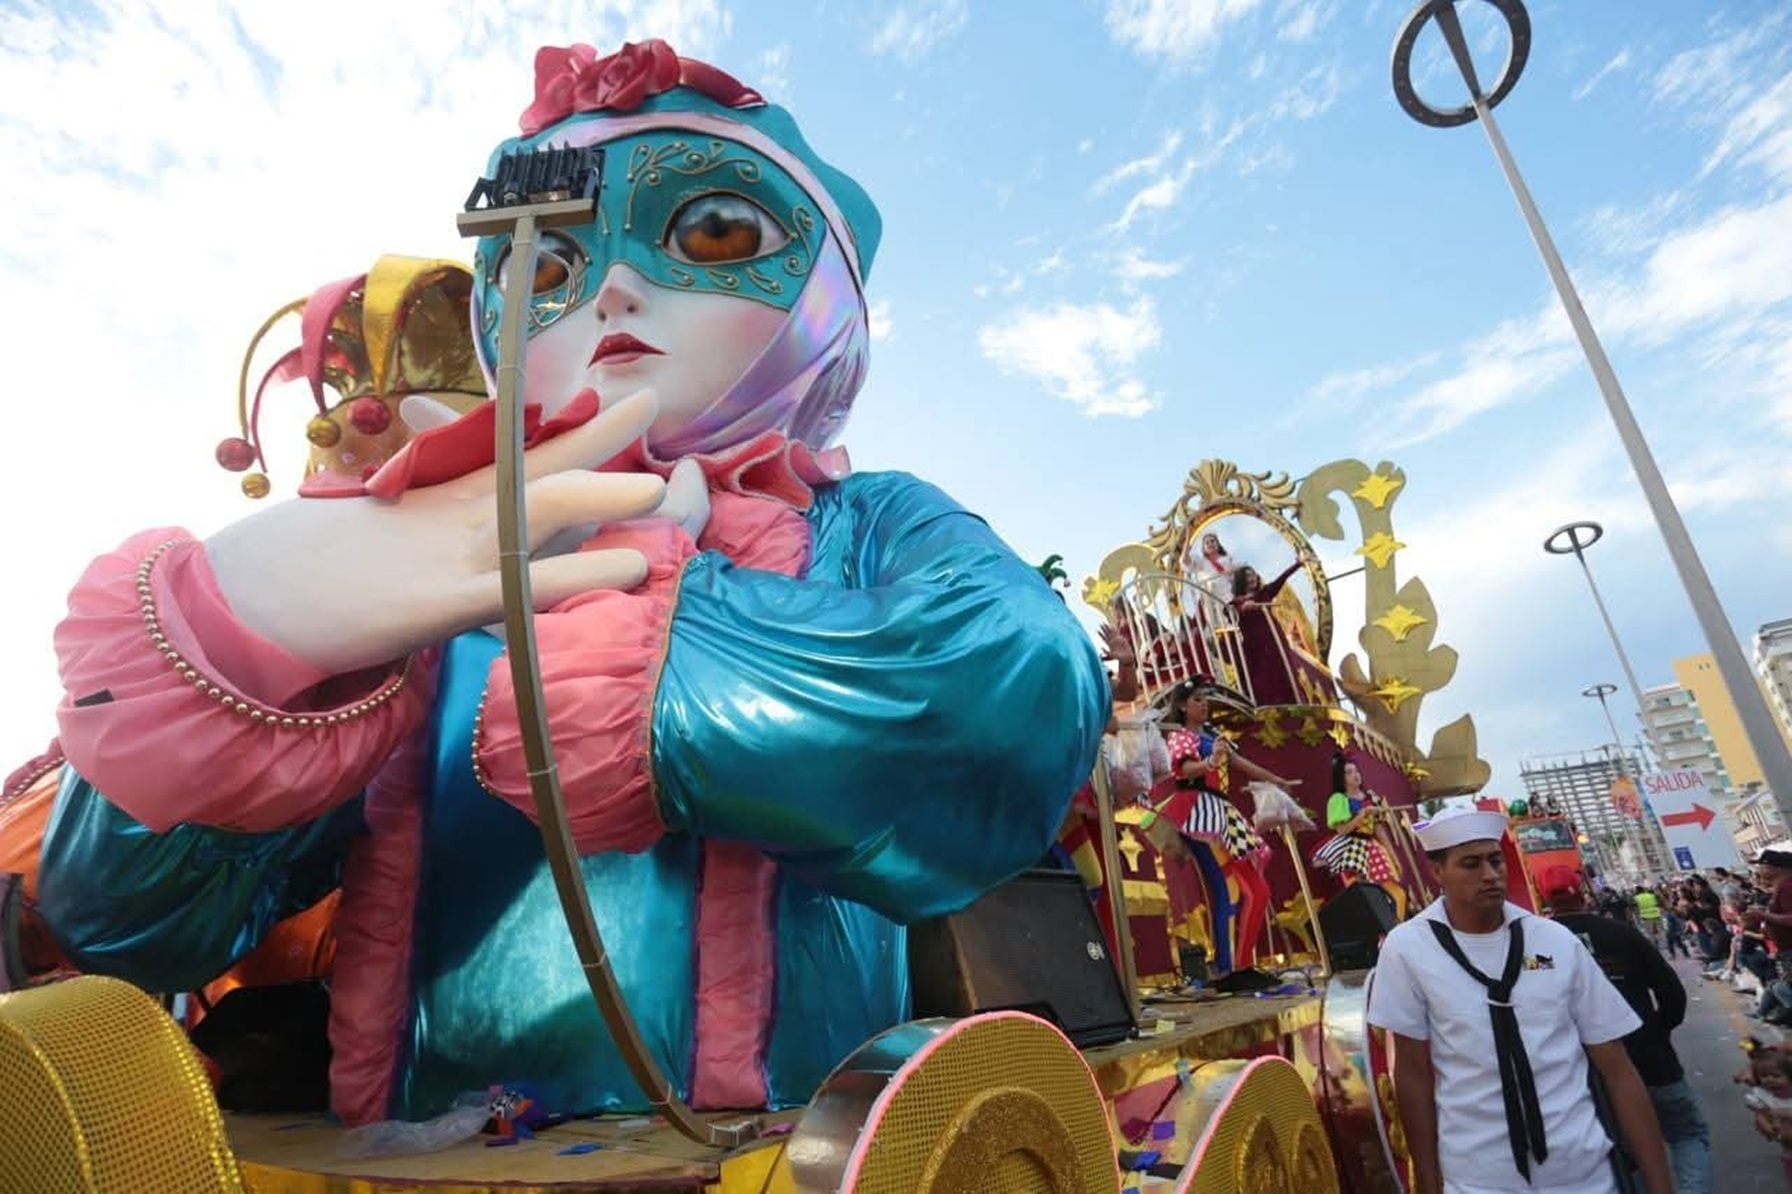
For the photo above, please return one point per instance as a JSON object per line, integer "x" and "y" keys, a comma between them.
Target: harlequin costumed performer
{"x": 1353, "y": 814}
{"x": 793, "y": 707}
{"x": 1225, "y": 844}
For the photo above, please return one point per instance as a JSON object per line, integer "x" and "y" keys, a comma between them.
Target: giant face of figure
{"x": 722, "y": 271}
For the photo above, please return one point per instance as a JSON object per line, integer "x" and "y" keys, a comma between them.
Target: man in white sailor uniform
{"x": 1495, "y": 1015}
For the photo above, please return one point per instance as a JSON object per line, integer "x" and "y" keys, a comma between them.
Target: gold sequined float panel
{"x": 103, "y": 1092}
{"x": 993, "y": 1104}
{"x": 1262, "y": 1135}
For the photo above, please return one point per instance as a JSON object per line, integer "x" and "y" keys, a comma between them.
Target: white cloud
{"x": 1623, "y": 229}
{"x": 1488, "y": 380}
{"x": 1083, "y": 353}
{"x": 1727, "y": 278}
{"x": 1273, "y": 156}
{"x": 1718, "y": 73}
{"x": 1151, "y": 163}
{"x": 221, "y": 164}
{"x": 911, "y": 33}
{"x": 1734, "y": 264}
{"x": 1616, "y": 63}
{"x": 1179, "y": 30}
{"x": 1317, "y": 90}
{"x": 771, "y": 74}
{"x": 1346, "y": 389}
{"x": 1305, "y": 21}
{"x": 883, "y": 327}
{"x": 1718, "y": 284}
{"x": 1130, "y": 266}
{"x": 1160, "y": 194}
{"x": 1008, "y": 283}
{"x": 1760, "y": 134}
{"x": 1310, "y": 96}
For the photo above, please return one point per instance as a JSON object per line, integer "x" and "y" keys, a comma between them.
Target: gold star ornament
{"x": 1394, "y": 692}
{"x": 1400, "y": 621}
{"x": 1380, "y": 548}
{"x": 1099, "y": 592}
{"x": 1270, "y": 732}
{"x": 1377, "y": 488}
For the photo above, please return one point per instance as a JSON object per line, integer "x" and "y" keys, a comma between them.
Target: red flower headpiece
{"x": 574, "y": 79}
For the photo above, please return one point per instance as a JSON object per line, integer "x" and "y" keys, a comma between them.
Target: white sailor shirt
{"x": 1562, "y": 1001}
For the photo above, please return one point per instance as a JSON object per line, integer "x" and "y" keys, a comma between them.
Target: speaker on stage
{"x": 1032, "y": 945}
{"x": 1354, "y": 921}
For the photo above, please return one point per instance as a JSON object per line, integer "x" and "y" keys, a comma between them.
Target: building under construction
{"x": 1579, "y": 787}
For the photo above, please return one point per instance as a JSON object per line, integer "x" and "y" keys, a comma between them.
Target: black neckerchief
{"x": 1524, "y": 1117}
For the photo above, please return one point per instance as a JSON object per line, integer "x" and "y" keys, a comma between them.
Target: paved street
{"x": 1707, "y": 1044}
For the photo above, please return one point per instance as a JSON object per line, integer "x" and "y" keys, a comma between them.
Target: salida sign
{"x": 1689, "y": 819}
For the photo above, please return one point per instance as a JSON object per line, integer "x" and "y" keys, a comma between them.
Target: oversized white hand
{"x": 348, "y": 583}
{"x": 687, "y": 498}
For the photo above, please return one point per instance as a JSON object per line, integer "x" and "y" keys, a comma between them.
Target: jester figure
{"x": 1225, "y": 846}
{"x": 794, "y": 706}
{"x": 1354, "y": 854}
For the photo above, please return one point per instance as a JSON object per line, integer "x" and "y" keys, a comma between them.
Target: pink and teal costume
{"x": 814, "y": 723}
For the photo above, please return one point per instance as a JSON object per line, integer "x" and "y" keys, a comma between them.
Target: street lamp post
{"x": 1574, "y": 539}
{"x": 1763, "y": 735}
{"x": 1653, "y": 844}
{"x": 1599, "y": 692}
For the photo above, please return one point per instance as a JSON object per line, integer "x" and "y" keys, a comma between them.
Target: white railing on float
{"x": 1180, "y": 629}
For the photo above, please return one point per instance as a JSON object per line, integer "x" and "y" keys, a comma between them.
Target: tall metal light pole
{"x": 1763, "y": 735}
{"x": 1599, "y": 692}
{"x": 1574, "y": 539}
{"x": 1654, "y": 845}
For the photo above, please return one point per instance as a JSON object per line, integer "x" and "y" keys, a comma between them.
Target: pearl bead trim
{"x": 209, "y": 688}
{"x": 29, "y": 778}
{"x": 479, "y": 775}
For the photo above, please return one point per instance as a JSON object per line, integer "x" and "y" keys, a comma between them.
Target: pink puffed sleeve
{"x": 600, "y": 660}
{"x": 177, "y": 712}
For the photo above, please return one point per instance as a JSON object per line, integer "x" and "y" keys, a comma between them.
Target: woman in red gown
{"x": 1266, "y": 655}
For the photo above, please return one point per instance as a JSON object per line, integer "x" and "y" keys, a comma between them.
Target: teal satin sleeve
{"x": 904, "y": 726}
{"x": 172, "y": 911}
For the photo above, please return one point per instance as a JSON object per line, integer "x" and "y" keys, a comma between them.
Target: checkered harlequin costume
{"x": 1355, "y": 854}
{"x": 1204, "y": 814}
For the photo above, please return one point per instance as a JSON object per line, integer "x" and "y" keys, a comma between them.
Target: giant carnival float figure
{"x": 795, "y": 706}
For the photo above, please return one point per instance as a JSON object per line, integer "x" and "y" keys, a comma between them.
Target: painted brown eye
{"x": 555, "y": 259}
{"x": 713, "y": 229}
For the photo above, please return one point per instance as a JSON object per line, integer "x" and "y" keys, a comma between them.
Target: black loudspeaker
{"x": 1032, "y": 945}
{"x": 1354, "y": 921}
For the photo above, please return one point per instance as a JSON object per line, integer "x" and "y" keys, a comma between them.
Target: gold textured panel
{"x": 1263, "y": 1134}
{"x": 996, "y": 1104}
{"x": 103, "y": 1092}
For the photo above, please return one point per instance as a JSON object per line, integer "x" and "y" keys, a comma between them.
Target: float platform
{"x": 1164, "y": 1091}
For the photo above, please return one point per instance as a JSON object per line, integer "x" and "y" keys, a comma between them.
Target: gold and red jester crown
{"x": 401, "y": 328}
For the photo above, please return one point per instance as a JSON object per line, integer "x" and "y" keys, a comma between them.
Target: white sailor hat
{"x": 1453, "y": 826}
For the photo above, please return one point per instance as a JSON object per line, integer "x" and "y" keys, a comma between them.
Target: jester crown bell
{"x": 401, "y": 328}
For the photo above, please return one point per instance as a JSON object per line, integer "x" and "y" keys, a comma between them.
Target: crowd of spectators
{"x": 1739, "y": 927}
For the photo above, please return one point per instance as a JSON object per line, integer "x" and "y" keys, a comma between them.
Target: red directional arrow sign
{"x": 1699, "y": 815}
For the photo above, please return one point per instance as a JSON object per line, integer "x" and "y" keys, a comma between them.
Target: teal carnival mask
{"x": 705, "y": 188}
{"x": 688, "y": 213}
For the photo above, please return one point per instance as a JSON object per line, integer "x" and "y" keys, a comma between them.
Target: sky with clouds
{"x": 1120, "y": 236}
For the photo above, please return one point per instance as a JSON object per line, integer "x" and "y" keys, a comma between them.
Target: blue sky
{"x": 1120, "y": 236}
